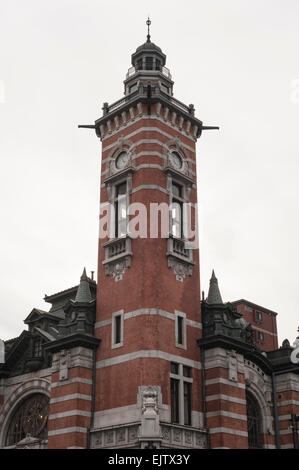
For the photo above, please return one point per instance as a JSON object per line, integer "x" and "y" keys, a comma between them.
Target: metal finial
{"x": 148, "y": 22}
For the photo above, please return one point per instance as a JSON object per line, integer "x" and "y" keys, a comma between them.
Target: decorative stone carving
{"x": 64, "y": 363}
{"x": 150, "y": 426}
{"x": 180, "y": 268}
{"x": 117, "y": 268}
{"x": 173, "y": 434}
{"x": 132, "y": 434}
{"x": 165, "y": 434}
{"x": 150, "y": 402}
{"x": 118, "y": 256}
{"x": 188, "y": 437}
{"x": 201, "y": 441}
{"x": 121, "y": 435}
{"x": 175, "y": 144}
{"x": 122, "y": 145}
{"x": 232, "y": 366}
{"x": 108, "y": 437}
{"x": 177, "y": 435}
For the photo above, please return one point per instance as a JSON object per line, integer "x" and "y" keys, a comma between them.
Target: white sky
{"x": 236, "y": 60}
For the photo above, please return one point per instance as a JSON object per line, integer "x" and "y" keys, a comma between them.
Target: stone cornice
{"x": 248, "y": 351}
{"x": 73, "y": 340}
{"x": 117, "y": 109}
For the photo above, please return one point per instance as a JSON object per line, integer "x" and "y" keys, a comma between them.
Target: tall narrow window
{"x": 177, "y": 211}
{"x": 180, "y": 330}
{"x": 175, "y": 415}
{"x": 121, "y": 210}
{"x": 180, "y": 388}
{"x": 117, "y": 331}
{"x": 187, "y": 403}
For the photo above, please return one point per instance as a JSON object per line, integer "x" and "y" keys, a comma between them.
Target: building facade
{"x": 138, "y": 359}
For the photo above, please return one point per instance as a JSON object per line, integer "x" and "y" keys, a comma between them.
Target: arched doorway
{"x": 254, "y": 422}
{"x": 29, "y": 419}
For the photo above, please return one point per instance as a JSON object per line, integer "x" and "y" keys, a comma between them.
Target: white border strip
{"x": 65, "y": 414}
{"x": 147, "y": 353}
{"x": 224, "y": 381}
{"x": 149, "y": 311}
{"x": 220, "y": 396}
{"x": 56, "y": 432}
{"x": 73, "y": 396}
{"x": 228, "y": 431}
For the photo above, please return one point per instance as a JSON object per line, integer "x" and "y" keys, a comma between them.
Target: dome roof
{"x": 149, "y": 46}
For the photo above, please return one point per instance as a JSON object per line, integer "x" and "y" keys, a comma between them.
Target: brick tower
{"x": 148, "y": 367}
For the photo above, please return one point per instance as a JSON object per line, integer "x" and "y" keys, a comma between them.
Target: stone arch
{"x": 264, "y": 408}
{"x": 19, "y": 394}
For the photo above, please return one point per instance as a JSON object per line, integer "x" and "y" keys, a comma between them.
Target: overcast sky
{"x": 236, "y": 60}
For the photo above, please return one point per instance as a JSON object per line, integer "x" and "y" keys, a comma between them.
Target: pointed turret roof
{"x": 83, "y": 292}
{"x": 214, "y": 296}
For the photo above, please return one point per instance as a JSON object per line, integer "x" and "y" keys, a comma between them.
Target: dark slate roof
{"x": 149, "y": 46}
{"x": 69, "y": 291}
{"x": 83, "y": 292}
{"x": 214, "y": 296}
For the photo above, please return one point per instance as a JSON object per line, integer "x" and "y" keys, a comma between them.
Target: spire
{"x": 148, "y": 22}
{"x": 214, "y": 296}
{"x": 83, "y": 292}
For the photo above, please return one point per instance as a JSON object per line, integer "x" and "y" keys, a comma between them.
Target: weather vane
{"x": 148, "y": 22}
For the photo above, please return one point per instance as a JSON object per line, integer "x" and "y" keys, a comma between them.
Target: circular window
{"x": 121, "y": 160}
{"x": 176, "y": 160}
{"x": 31, "y": 417}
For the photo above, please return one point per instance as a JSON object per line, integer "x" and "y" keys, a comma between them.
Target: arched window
{"x": 254, "y": 421}
{"x": 30, "y": 418}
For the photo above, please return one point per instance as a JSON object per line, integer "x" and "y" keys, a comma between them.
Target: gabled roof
{"x": 37, "y": 314}
{"x": 45, "y": 334}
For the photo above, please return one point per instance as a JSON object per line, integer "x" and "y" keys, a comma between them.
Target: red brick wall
{"x": 148, "y": 283}
{"x": 72, "y": 413}
{"x": 267, "y": 326}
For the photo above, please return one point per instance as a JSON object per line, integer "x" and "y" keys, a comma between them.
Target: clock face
{"x": 176, "y": 160}
{"x": 122, "y": 160}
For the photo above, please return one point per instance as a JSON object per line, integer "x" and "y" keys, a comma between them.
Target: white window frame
{"x": 182, "y": 315}
{"x": 120, "y": 314}
{"x": 181, "y": 378}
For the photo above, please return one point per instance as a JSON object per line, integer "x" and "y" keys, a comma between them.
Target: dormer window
{"x": 37, "y": 348}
